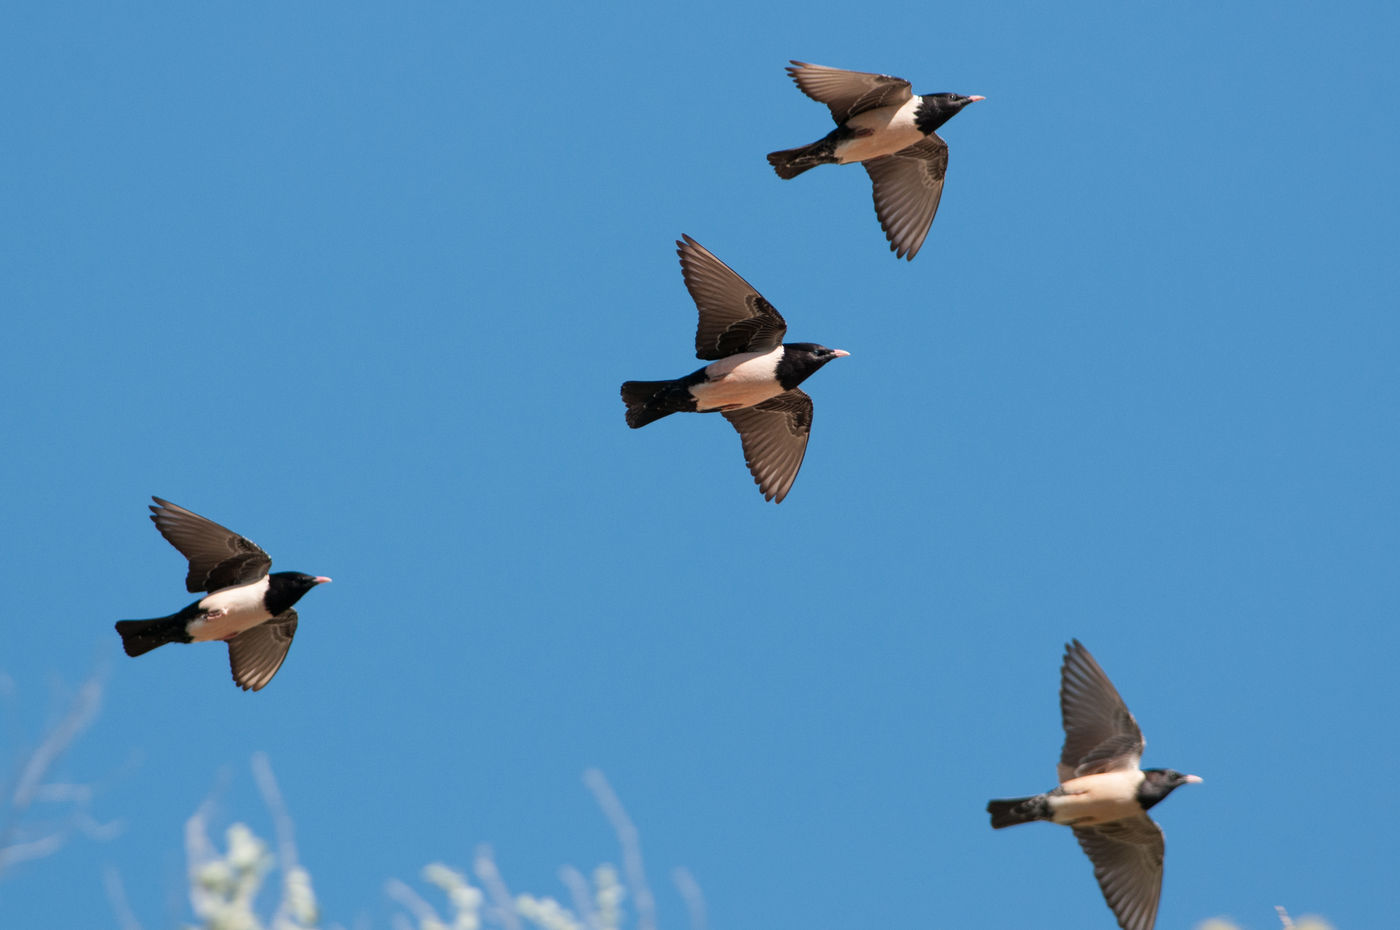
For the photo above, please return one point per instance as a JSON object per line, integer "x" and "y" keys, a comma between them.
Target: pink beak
{"x": 975, "y": 99}
{"x": 839, "y": 353}
{"x": 322, "y": 579}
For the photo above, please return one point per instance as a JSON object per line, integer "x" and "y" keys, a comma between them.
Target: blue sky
{"x": 361, "y": 281}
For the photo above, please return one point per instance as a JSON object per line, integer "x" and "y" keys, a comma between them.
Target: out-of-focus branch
{"x": 582, "y": 895}
{"x": 1311, "y": 922}
{"x": 484, "y": 865}
{"x": 691, "y": 894}
{"x": 116, "y": 896}
{"x": 22, "y": 839}
{"x": 631, "y": 846}
{"x": 224, "y": 886}
{"x": 413, "y": 901}
{"x": 597, "y": 904}
{"x": 297, "y": 907}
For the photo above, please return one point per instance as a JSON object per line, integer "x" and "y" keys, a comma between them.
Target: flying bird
{"x": 245, "y": 606}
{"x": 752, "y": 377}
{"x": 884, "y": 125}
{"x": 1103, "y": 794}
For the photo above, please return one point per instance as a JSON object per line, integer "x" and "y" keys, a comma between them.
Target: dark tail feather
{"x": 643, "y": 401}
{"x": 141, "y": 636}
{"x": 1009, "y": 812}
{"x": 789, "y": 163}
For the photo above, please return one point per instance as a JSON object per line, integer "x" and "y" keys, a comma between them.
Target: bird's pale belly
{"x": 229, "y": 612}
{"x": 224, "y": 626}
{"x": 1095, "y": 799}
{"x": 729, "y": 395}
{"x": 879, "y": 132}
{"x": 739, "y": 381}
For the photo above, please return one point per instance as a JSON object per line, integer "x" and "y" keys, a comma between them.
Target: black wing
{"x": 849, "y": 92}
{"x": 908, "y": 186}
{"x": 774, "y": 434}
{"x": 256, "y": 654}
{"x": 1100, "y": 733}
{"x": 734, "y": 317}
{"x": 1127, "y": 857}
{"x": 219, "y": 557}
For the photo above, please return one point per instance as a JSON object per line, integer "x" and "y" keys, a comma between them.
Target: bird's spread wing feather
{"x": 1127, "y": 857}
{"x": 1100, "y": 733}
{"x": 219, "y": 557}
{"x": 908, "y": 186}
{"x": 848, "y": 92}
{"x": 256, "y": 654}
{"x": 774, "y": 434}
{"x": 734, "y": 317}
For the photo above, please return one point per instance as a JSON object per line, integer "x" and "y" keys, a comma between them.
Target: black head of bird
{"x": 1158, "y": 783}
{"x": 937, "y": 109}
{"x": 286, "y": 588}
{"x": 801, "y": 360}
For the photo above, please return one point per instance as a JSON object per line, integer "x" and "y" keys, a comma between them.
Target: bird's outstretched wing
{"x": 1127, "y": 857}
{"x": 219, "y": 557}
{"x": 908, "y": 186}
{"x": 734, "y": 317}
{"x": 774, "y": 434}
{"x": 848, "y": 92}
{"x": 256, "y": 654}
{"x": 1100, "y": 733}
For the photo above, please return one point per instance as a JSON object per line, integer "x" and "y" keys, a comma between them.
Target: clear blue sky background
{"x": 361, "y": 281}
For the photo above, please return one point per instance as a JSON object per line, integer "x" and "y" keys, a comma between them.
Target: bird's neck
{"x": 1152, "y": 791}
{"x": 929, "y": 115}
{"x": 795, "y": 367}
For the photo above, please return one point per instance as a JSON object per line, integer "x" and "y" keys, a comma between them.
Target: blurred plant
{"x": 596, "y": 905}
{"x": 24, "y": 833}
{"x": 1309, "y": 922}
{"x": 225, "y": 886}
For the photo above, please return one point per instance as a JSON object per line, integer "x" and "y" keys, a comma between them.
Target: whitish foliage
{"x": 595, "y": 904}
{"x": 1310, "y": 922}
{"x": 225, "y": 885}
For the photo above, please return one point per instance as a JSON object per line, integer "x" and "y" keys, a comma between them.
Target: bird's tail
{"x": 789, "y": 163}
{"x": 141, "y": 636}
{"x": 1011, "y": 811}
{"x": 645, "y": 401}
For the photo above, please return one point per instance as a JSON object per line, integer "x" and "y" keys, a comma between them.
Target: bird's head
{"x": 1158, "y": 783}
{"x": 936, "y": 109}
{"x": 826, "y": 355}
{"x": 286, "y": 588}
{"x": 300, "y": 579}
{"x": 813, "y": 351}
{"x": 801, "y": 359}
